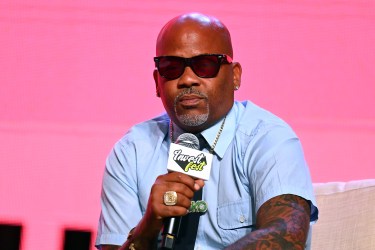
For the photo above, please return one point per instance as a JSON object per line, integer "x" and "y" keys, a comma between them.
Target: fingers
{"x": 182, "y": 184}
{"x": 198, "y": 184}
{"x": 179, "y": 209}
{"x": 176, "y": 177}
{"x": 193, "y": 184}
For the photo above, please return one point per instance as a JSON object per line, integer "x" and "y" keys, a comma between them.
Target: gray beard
{"x": 191, "y": 120}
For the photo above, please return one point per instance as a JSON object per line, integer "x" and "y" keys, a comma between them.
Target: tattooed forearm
{"x": 282, "y": 223}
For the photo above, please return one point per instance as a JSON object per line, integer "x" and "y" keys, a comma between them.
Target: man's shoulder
{"x": 158, "y": 123}
{"x": 253, "y": 118}
{"x": 149, "y": 130}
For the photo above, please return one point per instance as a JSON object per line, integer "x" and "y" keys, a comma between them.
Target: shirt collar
{"x": 226, "y": 136}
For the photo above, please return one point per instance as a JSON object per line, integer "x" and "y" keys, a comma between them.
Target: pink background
{"x": 75, "y": 75}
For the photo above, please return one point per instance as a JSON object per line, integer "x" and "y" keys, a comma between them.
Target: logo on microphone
{"x": 189, "y": 162}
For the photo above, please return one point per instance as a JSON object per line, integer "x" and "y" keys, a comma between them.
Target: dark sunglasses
{"x": 204, "y": 66}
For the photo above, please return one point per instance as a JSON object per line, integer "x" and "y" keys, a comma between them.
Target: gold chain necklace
{"x": 215, "y": 141}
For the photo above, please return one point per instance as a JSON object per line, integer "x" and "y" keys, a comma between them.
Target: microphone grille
{"x": 188, "y": 140}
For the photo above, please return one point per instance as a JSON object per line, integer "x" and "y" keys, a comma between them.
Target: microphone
{"x": 172, "y": 224}
{"x": 188, "y": 140}
{"x": 184, "y": 157}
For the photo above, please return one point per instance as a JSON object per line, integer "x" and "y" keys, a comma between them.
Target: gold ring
{"x": 170, "y": 198}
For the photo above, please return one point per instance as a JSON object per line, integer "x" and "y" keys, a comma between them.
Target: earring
{"x": 236, "y": 87}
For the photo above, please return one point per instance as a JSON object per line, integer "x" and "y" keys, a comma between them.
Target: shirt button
{"x": 242, "y": 219}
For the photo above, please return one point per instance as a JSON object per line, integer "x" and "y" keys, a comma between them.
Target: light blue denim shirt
{"x": 257, "y": 157}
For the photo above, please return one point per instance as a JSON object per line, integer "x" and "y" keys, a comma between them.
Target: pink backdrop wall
{"x": 75, "y": 75}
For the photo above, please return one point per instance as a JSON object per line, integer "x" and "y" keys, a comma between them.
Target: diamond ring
{"x": 170, "y": 198}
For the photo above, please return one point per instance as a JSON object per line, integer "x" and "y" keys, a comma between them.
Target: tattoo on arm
{"x": 282, "y": 223}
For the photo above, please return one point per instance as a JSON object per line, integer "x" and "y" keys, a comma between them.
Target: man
{"x": 259, "y": 194}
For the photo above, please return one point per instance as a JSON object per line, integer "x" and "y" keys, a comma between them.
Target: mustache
{"x": 190, "y": 91}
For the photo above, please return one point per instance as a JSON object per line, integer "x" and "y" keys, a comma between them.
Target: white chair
{"x": 346, "y": 216}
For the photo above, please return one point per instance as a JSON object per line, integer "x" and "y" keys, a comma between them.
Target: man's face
{"x": 192, "y": 102}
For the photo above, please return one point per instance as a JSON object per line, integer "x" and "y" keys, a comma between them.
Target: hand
{"x": 182, "y": 184}
{"x": 150, "y": 225}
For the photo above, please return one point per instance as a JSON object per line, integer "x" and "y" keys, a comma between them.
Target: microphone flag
{"x": 189, "y": 161}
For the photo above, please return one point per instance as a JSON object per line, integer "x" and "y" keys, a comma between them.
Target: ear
{"x": 156, "y": 79}
{"x": 237, "y": 72}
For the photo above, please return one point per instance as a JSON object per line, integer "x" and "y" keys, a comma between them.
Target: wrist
{"x": 142, "y": 237}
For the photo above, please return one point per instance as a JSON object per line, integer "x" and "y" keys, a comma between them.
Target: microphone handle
{"x": 172, "y": 224}
{"x": 170, "y": 232}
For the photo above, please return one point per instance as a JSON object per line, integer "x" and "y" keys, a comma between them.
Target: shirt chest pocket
{"x": 235, "y": 220}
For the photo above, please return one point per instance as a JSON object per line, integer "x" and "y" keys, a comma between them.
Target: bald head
{"x": 189, "y": 31}
{"x": 195, "y": 103}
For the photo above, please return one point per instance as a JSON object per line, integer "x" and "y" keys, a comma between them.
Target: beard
{"x": 192, "y": 120}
